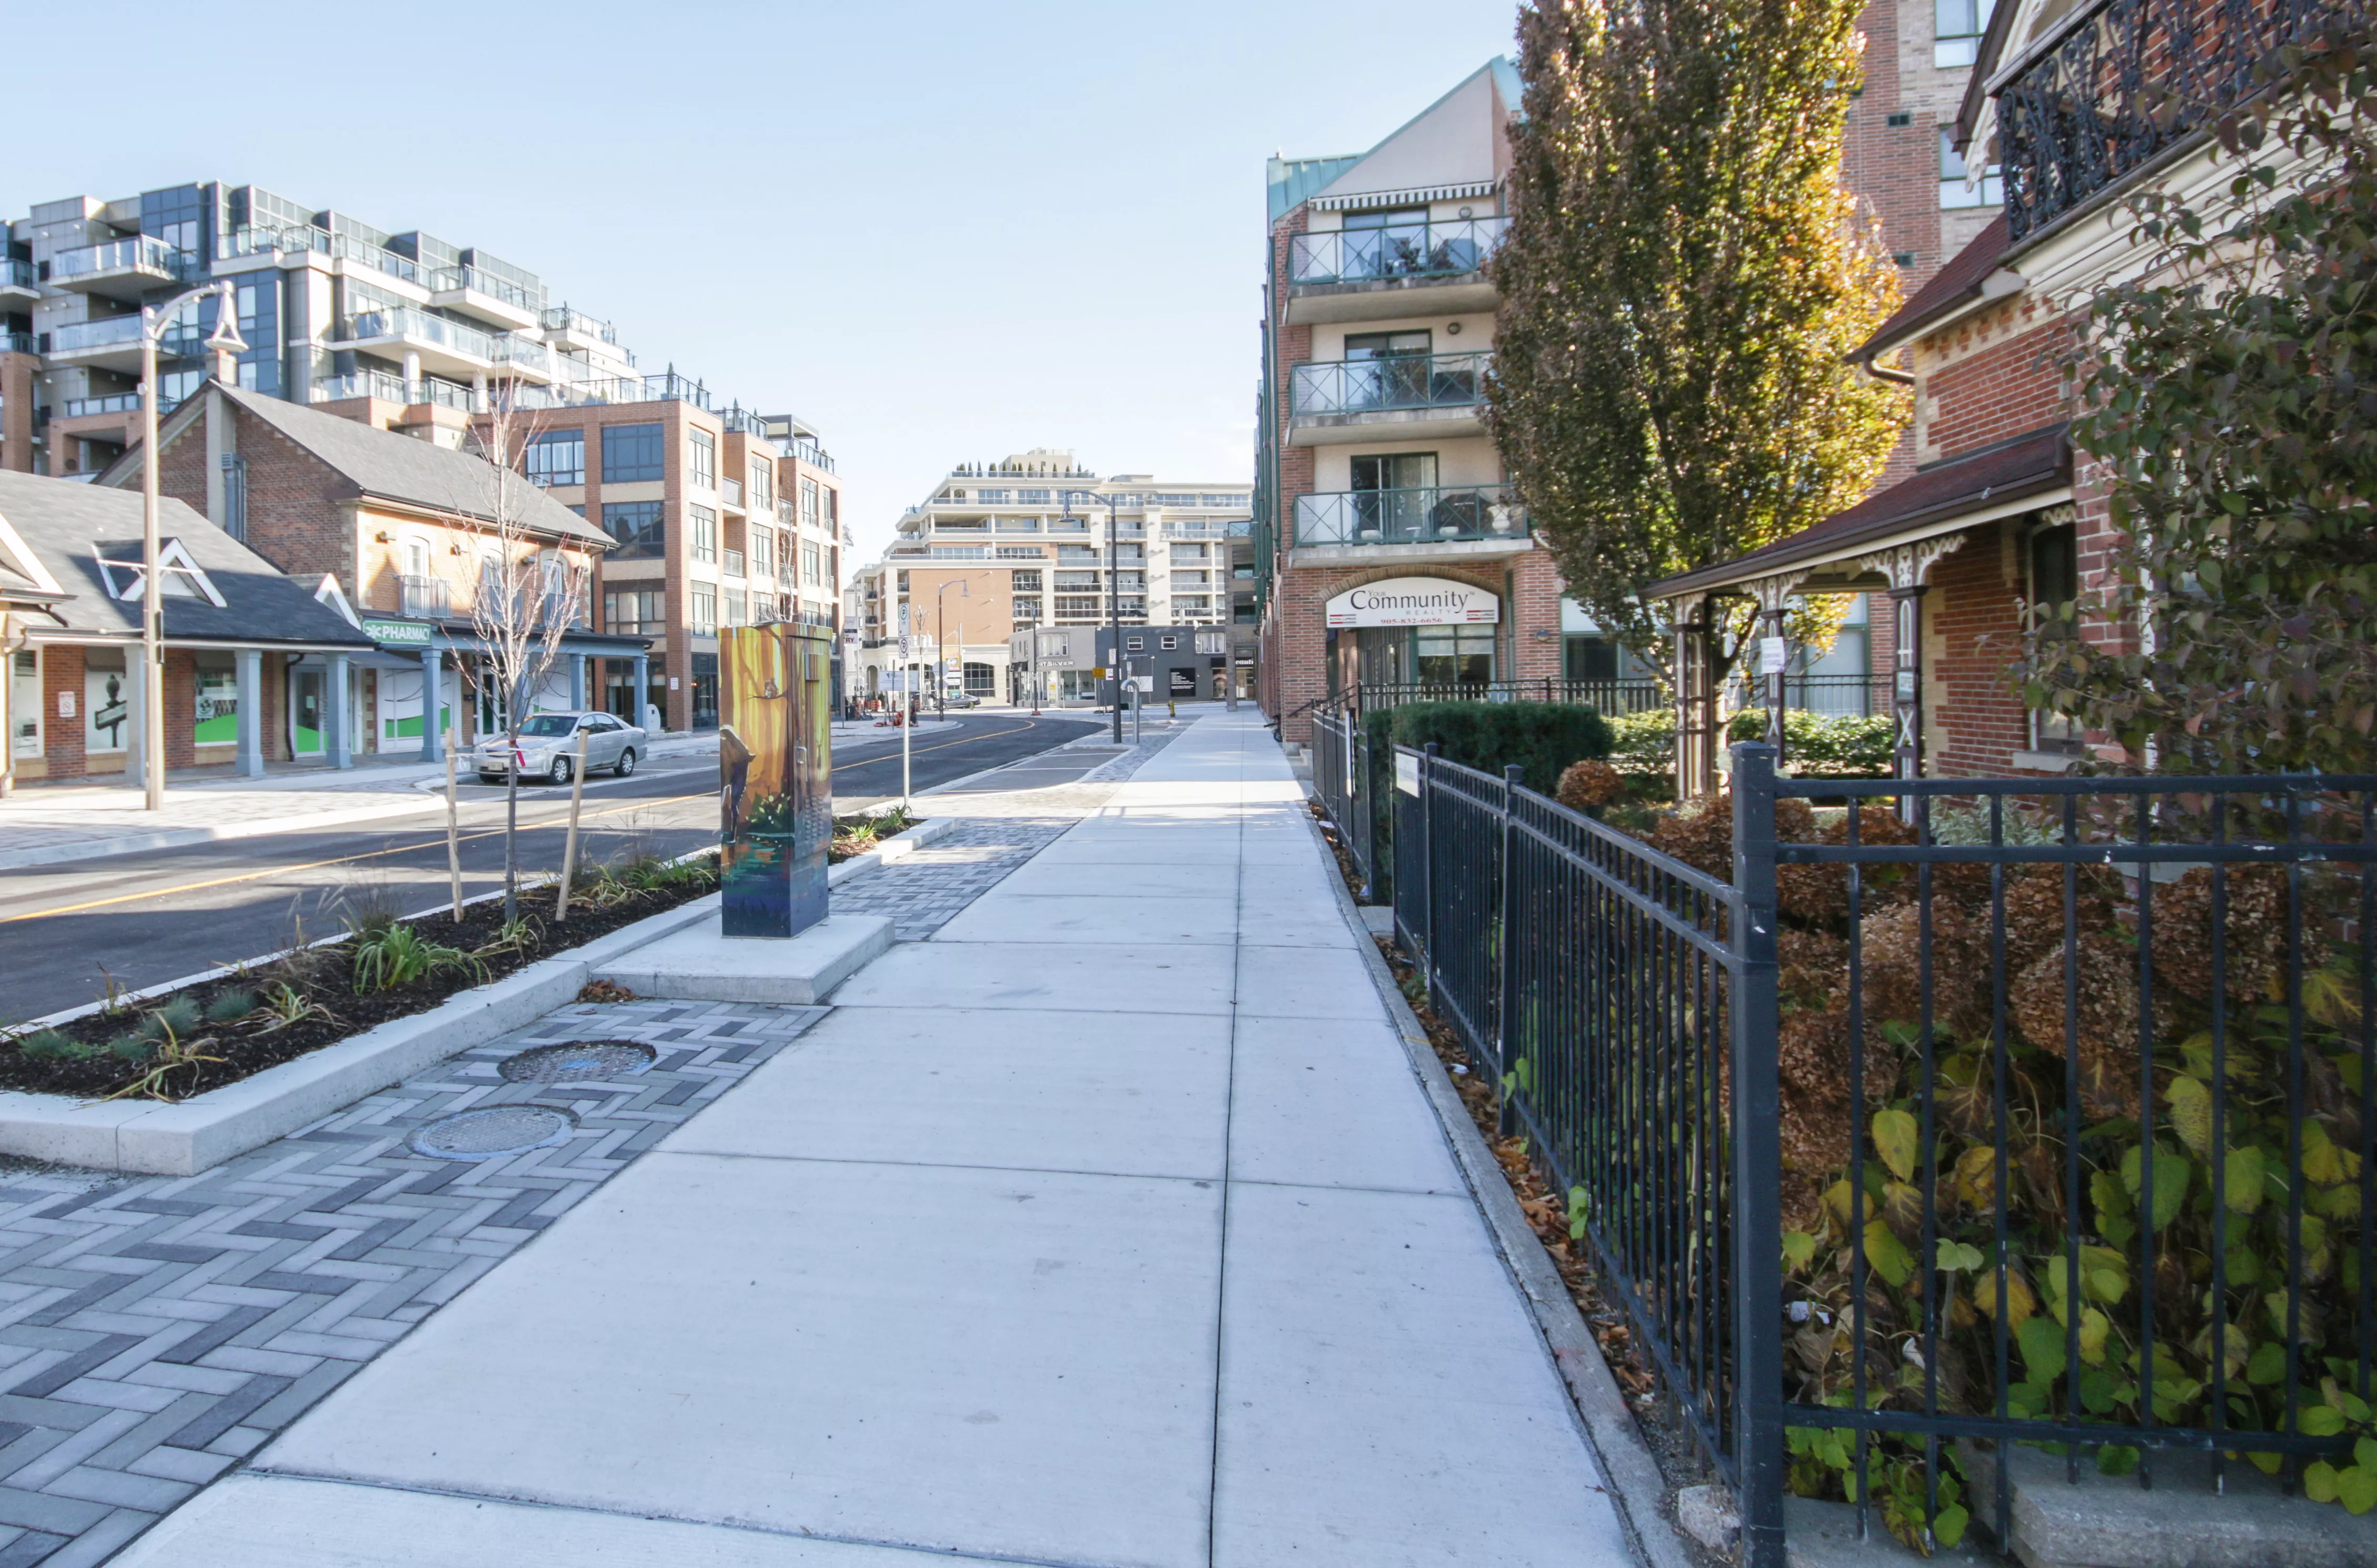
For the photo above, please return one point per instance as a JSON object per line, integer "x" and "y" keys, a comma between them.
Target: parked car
{"x": 963, "y": 699}
{"x": 549, "y": 747}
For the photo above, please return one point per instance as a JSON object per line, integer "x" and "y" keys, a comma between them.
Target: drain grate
{"x": 493, "y": 1131}
{"x": 577, "y": 1060}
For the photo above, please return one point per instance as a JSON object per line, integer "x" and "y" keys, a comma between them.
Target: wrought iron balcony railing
{"x": 2128, "y": 79}
{"x": 1410, "y": 516}
{"x": 1398, "y": 250}
{"x": 424, "y": 597}
{"x": 1391, "y": 382}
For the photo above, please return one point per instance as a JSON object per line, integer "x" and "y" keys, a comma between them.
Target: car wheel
{"x": 561, "y": 770}
{"x": 627, "y": 763}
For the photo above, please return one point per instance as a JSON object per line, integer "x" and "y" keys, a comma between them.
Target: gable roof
{"x": 74, "y": 529}
{"x": 1444, "y": 152}
{"x": 1959, "y": 282}
{"x": 386, "y": 466}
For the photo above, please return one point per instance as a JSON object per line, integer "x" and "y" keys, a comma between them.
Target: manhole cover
{"x": 492, "y": 1131}
{"x": 575, "y": 1061}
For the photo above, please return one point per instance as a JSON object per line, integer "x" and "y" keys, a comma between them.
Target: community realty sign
{"x": 1414, "y": 601}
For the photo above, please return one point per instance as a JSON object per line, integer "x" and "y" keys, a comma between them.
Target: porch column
{"x": 1695, "y": 702}
{"x": 641, "y": 685}
{"x": 577, "y": 681}
{"x": 341, "y": 717}
{"x": 1907, "y": 685}
{"x": 432, "y": 696}
{"x": 1775, "y": 648}
{"x": 250, "y": 663}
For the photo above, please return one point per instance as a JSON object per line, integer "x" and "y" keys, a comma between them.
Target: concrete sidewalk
{"x": 1109, "y": 1227}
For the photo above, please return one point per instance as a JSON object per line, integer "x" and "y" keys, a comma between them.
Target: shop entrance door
{"x": 305, "y": 712}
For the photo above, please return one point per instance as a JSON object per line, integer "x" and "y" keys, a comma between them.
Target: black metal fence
{"x": 1342, "y": 777}
{"x": 1977, "y": 1119}
{"x": 1612, "y": 698}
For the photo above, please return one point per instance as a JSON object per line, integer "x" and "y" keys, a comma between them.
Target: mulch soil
{"x": 325, "y": 975}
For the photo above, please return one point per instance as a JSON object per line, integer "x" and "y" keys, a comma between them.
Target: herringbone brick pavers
{"x": 154, "y": 1332}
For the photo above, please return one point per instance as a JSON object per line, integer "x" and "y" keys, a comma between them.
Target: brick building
{"x": 1995, "y": 513}
{"x": 1388, "y": 547}
{"x": 237, "y": 633}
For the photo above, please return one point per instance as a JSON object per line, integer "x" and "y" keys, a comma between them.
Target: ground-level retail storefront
{"x": 387, "y": 695}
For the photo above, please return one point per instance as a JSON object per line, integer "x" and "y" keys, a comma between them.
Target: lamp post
{"x": 1114, "y": 600}
{"x": 224, "y": 340}
{"x": 941, "y": 648}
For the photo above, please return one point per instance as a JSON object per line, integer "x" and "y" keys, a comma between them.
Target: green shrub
{"x": 1645, "y": 742}
{"x": 1822, "y": 745}
{"x": 179, "y": 1017}
{"x": 398, "y": 955}
{"x": 229, "y": 1006}
{"x": 133, "y": 1047}
{"x": 1542, "y": 738}
{"x": 49, "y": 1045}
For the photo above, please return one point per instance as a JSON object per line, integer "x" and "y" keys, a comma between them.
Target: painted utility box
{"x": 775, "y": 768}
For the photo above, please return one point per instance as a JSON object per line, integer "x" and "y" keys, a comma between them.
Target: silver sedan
{"x": 548, "y": 748}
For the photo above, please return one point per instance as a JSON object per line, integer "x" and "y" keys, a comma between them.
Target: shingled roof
{"x": 385, "y": 466}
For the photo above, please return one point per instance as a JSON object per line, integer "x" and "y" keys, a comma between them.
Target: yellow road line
{"x": 342, "y": 860}
{"x": 945, "y": 746}
{"x": 407, "y": 849}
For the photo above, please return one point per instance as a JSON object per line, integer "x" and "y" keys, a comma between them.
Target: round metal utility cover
{"x": 493, "y": 1131}
{"x": 577, "y": 1060}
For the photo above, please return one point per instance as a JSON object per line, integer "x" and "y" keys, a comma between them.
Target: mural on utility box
{"x": 775, "y": 778}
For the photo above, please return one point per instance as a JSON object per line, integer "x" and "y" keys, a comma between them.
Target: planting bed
{"x": 220, "y": 1052}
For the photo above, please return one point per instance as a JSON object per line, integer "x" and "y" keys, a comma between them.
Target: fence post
{"x": 1357, "y": 744}
{"x": 1757, "y": 1164}
{"x": 1506, "y": 1006}
{"x": 1428, "y": 868}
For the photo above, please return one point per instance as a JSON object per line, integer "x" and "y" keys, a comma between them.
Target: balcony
{"x": 443, "y": 345}
{"x": 524, "y": 356}
{"x": 122, "y": 269}
{"x": 568, "y": 329}
{"x": 483, "y": 296}
{"x": 1359, "y": 274}
{"x": 1393, "y": 397}
{"x": 730, "y": 494}
{"x": 731, "y": 563}
{"x": 112, "y": 342}
{"x": 16, "y": 280}
{"x": 113, "y": 403}
{"x": 392, "y": 389}
{"x": 423, "y": 598}
{"x": 1472, "y": 516}
{"x": 2123, "y": 85}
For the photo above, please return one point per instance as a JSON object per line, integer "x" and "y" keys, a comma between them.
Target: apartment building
{"x": 1035, "y": 539}
{"x": 721, "y": 515}
{"x": 1391, "y": 550}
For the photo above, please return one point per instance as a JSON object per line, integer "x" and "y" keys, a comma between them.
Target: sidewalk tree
{"x": 1683, "y": 280}
{"x": 525, "y": 601}
{"x": 2229, "y": 392}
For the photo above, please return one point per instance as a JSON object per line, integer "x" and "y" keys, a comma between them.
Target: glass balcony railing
{"x": 561, "y": 318}
{"x": 1410, "y": 516}
{"x": 483, "y": 282}
{"x": 512, "y": 349}
{"x": 403, "y": 323}
{"x": 16, "y": 274}
{"x": 113, "y": 403}
{"x": 109, "y": 332}
{"x": 731, "y": 562}
{"x": 812, "y": 453}
{"x": 1389, "y": 382}
{"x": 139, "y": 252}
{"x": 392, "y": 389}
{"x": 1401, "y": 250}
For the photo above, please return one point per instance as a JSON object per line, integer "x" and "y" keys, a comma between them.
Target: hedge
{"x": 1827, "y": 746}
{"x": 1541, "y": 737}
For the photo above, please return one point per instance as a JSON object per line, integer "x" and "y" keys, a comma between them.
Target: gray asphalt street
{"x": 152, "y": 917}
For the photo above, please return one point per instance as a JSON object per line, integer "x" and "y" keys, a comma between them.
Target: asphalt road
{"x": 147, "y": 918}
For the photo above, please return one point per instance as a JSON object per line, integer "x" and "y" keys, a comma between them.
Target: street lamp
{"x": 941, "y": 647}
{"x": 224, "y": 340}
{"x": 1114, "y": 600}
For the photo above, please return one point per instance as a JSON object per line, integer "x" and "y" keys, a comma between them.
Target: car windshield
{"x": 545, "y": 726}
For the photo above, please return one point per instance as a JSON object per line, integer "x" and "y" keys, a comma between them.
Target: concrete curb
{"x": 151, "y": 1138}
{"x": 897, "y": 848}
{"x": 690, "y": 966}
{"x": 1635, "y": 1483}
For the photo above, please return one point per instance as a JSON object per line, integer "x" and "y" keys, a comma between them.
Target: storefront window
{"x": 1452, "y": 655}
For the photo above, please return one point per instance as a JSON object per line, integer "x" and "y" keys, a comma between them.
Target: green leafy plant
{"x": 2354, "y": 1485}
{"x": 515, "y": 936}
{"x": 400, "y": 955}
{"x": 1541, "y": 737}
{"x": 168, "y": 1053}
{"x": 1822, "y": 745}
{"x": 284, "y": 1006}
{"x": 2223, "y": 392}
{"x": 230, "y": 1006}
{"x": 179, "y": 1015}
{"x": 53, "y": 1045}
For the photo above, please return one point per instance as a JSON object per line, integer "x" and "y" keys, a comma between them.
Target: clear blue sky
{"x": 941, "y": 232}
